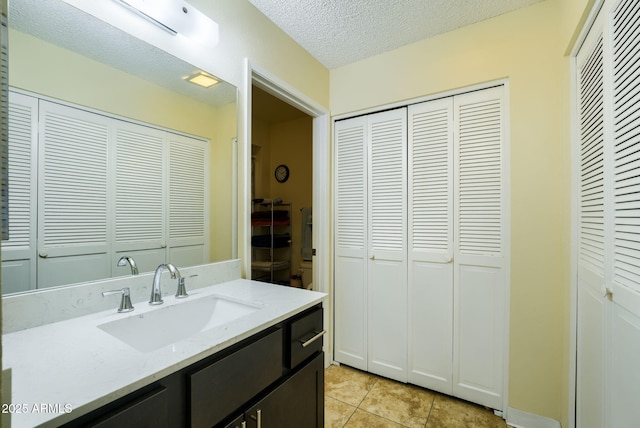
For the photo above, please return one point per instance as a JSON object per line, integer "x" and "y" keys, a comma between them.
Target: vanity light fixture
{"x": 203, "y": 79}
{"x": 176, "y": 17}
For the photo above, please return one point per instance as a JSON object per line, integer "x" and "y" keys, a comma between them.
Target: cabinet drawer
{"x": 306, "y": 335}
{"x": 148, "y": 411}
{"x": 222, "y": 387}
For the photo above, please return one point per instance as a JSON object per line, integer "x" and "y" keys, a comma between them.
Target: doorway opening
{"x": 281, "y": 191}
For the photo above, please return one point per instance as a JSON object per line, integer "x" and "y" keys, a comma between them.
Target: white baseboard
{"x": 519, "y": 419}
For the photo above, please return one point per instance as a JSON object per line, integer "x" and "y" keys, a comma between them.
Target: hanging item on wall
{"x": 282, "y": 173}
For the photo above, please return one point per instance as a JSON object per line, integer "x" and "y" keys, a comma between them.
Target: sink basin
{"x": 166, "y": 325}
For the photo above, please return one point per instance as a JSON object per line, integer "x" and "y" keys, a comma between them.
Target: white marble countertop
{"x": 63, "y": 370}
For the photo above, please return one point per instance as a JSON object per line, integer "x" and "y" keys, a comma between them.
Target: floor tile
{"x": 347, "y": 385}
{"x": 449, "y": 412}
{"x": 336, "y": 413}
{"x": 405, "y": 404}
{"x": 362, "y": 419}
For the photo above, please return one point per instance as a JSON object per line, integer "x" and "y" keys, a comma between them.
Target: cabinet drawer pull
{"x": 259, "y": 415}
{"x": 244, "y": 424}
{"x": 313, "y": 339}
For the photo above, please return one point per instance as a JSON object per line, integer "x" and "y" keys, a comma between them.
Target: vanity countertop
{"x": 63, "y": 370}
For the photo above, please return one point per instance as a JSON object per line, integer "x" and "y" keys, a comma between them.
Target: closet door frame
{"x": 620, "y": 295}
{"x": 506, "y": 192}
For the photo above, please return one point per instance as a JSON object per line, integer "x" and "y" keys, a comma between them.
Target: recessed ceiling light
{"x": 202, "y": 79}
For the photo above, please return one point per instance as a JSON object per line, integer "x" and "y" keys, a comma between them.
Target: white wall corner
{"x": 519, "y": 419}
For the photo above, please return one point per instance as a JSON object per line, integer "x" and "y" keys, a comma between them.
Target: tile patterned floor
{"x": 355, "y": 399}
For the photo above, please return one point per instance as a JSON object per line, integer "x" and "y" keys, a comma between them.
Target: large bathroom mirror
{"x": 62, "y": 56}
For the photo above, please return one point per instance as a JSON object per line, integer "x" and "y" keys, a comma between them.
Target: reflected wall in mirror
{"x": 66, "y": 64}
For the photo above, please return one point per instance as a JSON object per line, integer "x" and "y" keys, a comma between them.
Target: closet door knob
{"x": 449, "y": 260}
{"x": 373, "y": 257}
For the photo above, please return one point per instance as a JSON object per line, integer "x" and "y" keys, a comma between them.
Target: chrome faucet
{"x": 127, "y": 259}
{"x": 156, "y": 292}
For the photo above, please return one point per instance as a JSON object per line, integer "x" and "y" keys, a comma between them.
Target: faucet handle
{"x": 125, "y": 302}
{"x": 182, "y": 290}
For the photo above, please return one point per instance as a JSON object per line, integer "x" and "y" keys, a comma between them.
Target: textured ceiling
{"x": 338, "y": 32}
{"x": 61, "y": 24}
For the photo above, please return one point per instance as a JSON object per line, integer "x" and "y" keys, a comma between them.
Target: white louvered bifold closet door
{"x": 625, "y": 157}
{"x": 350, "y": 264}
{"x": 430, "y": 256}
{"x": 73, "y": 169}
{"x": 387, "y": 221}
{"x": 591, "y": 231}
{"x": 140, "y": 197}
{"x": 188, "y": 200}
{"x": 479, "y": 257}
{"x": 19, "y": 252}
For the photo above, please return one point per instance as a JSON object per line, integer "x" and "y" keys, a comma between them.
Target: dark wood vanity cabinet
{"x": 273, "y": 379}
{"x": 297, "y": 399}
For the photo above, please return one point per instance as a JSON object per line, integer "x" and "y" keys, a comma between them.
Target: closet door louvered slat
{"x": 626, "y": 155}
{"x": 19, "y": 251}
{"x": 479, "y": 258}
{"x": 387, "y": 219}
{"x": 140, "y": 196}
{"x": 72, "y": 181}
{"x": 351, "y": 242}
{"x": 625, "y": 166}
{"x": 591, "y": 231}
{"x": 430, "y": 236}
{"x": 480, "y": 178}
{"x": 188, "y": 212}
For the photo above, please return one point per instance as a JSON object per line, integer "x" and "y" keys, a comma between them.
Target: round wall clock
{"x": 282, "y": 173}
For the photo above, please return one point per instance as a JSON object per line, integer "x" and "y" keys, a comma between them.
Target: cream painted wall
{"x": 73, "y": 78}
{"x": 527, "y": 47}
{"x": 221, "y": 174}
{"x": 261, "y": 152}
{"x": 245, "y": 33}
{"x": 291, "y": 145}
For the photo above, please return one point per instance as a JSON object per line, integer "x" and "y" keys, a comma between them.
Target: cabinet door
{"x": 387, "y": 244}
{"x": 479, "y": 240}
{"x": 431, "y": 244}
{"x": 140, "y": 196}
{"x": 351, "y": 243}
{"x": 19, "y": 258}
{"x": 73, "y": 238}
{"x": 188, "y": 201}
{"x": 220, "y": 388}
{"x": 624, "y": 367}
{"x": 298, "y": 402}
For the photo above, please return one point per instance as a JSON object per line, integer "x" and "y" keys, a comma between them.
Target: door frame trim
{"x": 321, "y": 232}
